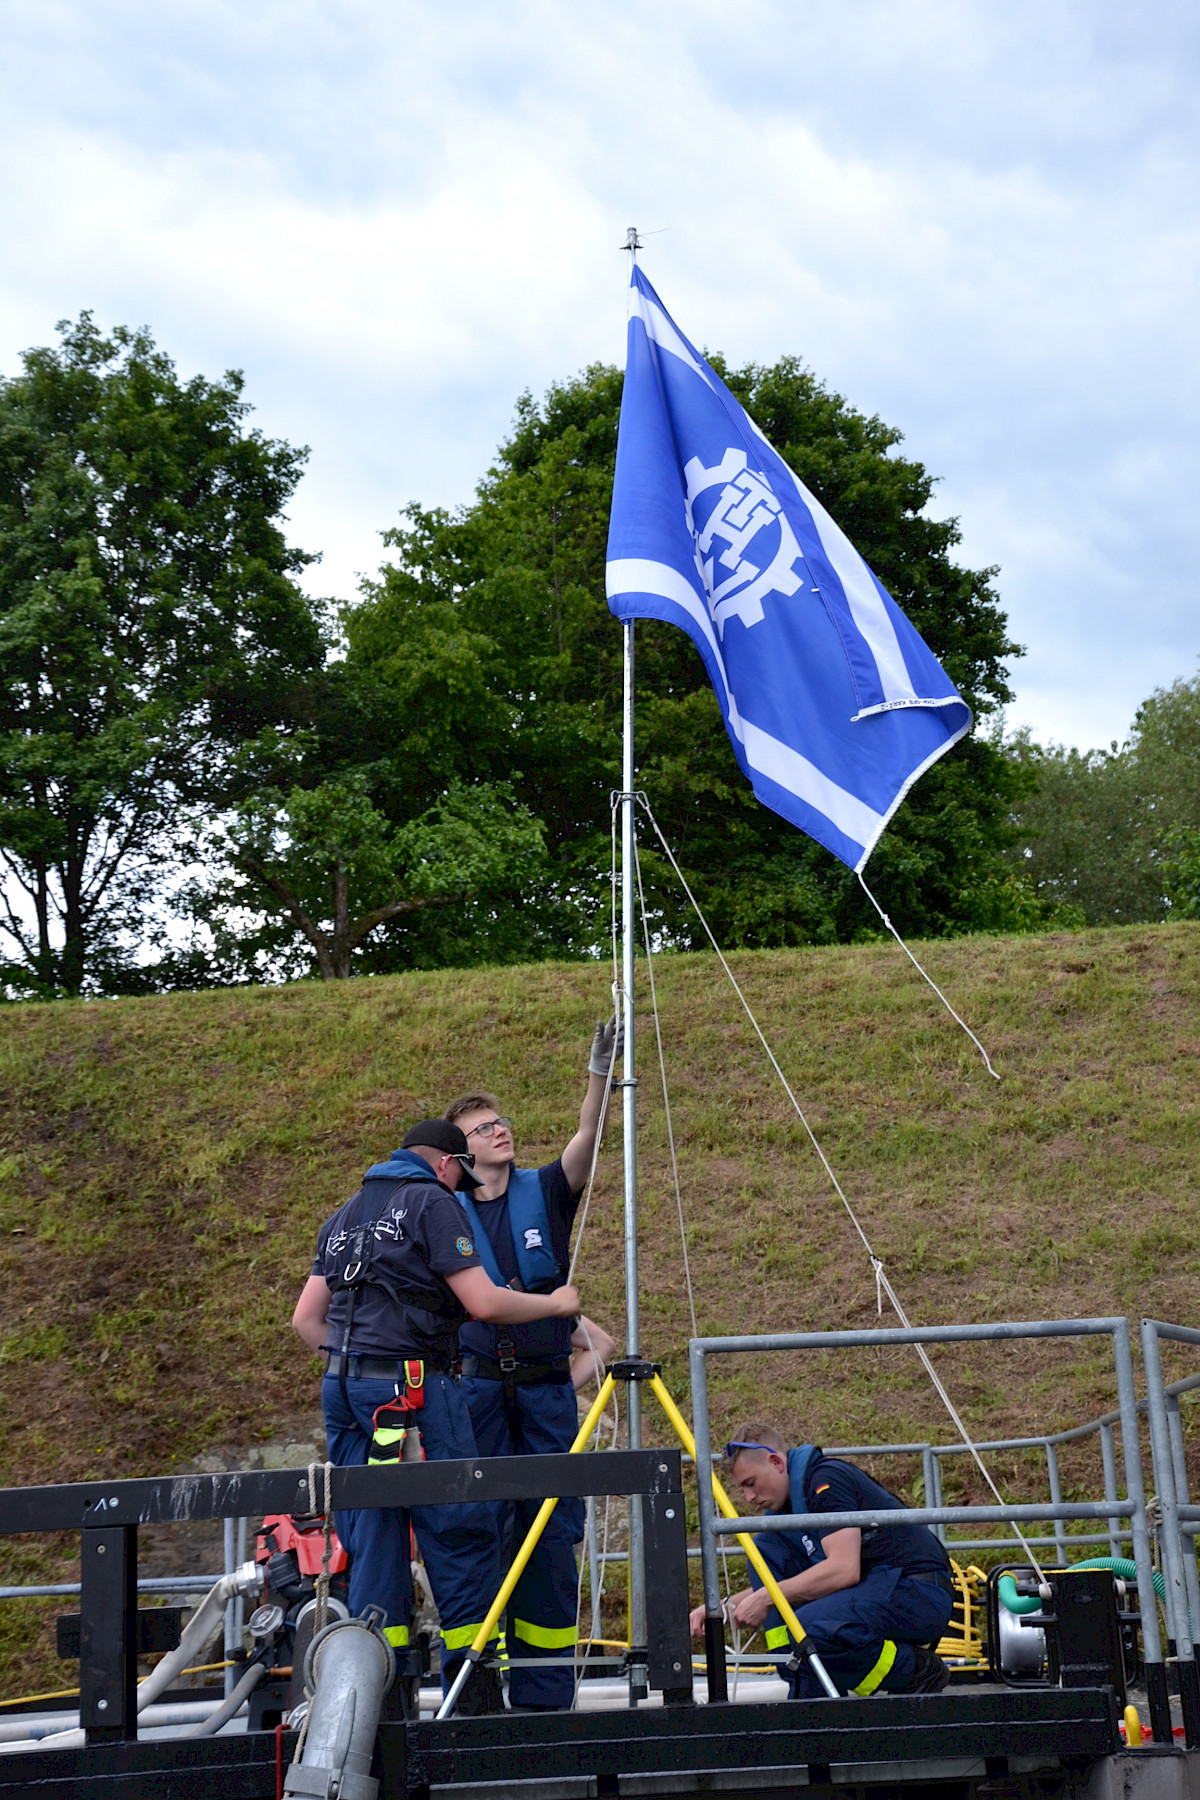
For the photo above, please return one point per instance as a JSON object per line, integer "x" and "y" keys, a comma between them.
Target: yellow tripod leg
{"x": 483, "y": 1635}
{"x": 725, "y": 1504}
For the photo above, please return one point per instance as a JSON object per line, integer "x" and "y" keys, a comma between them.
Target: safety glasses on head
{"x": 489, "y": 1126}
{"x": 735, "y": 1448}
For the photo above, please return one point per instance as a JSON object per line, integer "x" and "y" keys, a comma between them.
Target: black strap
{"x": 548, "y": 1371}
{"x": 942, "y": 1577}
{"x": 363, "y": 1367}
{"x": 361, "y": 1277}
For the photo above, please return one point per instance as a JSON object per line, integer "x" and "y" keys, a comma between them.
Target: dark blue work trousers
{"x": 865, "y": 1635}
{"x": 536, "y": 1420}
{"x": 460, "y": 1544}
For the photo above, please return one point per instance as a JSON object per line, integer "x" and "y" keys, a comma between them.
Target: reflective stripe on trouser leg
{"x": 874, "y": 1676}
{"x": 541, "y": 1623}
{"x": 459, "y": 1544}
{"x": 544, "y": 1637}
{"x": 867, "y": 1635}
{"x": 461, "y": 1637}
{"x": 376, "y": 1538}
{"x": 397, "y": 1636}
{"x": 541, "y": 1613}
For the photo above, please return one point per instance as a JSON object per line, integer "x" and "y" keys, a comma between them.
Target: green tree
{"x": 1165, "y": 748}
{"x": 1113, "y": 832}
{"x": 518, "y": 576}
{"x": 323, "y": 864}
{"x": 1083, "y": 837}
{"x": 150, "y": 623}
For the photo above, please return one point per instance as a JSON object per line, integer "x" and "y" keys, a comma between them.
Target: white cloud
{"x": 976, "y": 221}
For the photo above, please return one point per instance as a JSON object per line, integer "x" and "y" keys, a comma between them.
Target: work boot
{"x": 930, "y": 1675}
{"x": 482, "y": 1693}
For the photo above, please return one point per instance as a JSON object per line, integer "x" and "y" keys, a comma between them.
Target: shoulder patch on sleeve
{"x": 464, "y": 1246}
{"x": 823, "y": 1490}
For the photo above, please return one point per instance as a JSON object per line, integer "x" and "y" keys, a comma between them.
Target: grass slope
{"x": 165, "y": 1164}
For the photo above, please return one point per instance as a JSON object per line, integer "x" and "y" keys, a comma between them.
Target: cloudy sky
{"x": 977, "y": 220}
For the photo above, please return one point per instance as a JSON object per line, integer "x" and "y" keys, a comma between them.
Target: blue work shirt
{"x": 830, "y": 1485}
{"x": 421, "y": 1237}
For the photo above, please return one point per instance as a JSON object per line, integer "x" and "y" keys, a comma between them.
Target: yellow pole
{"x": 730, "y": 1510}
{"x": 523, "y": 1555}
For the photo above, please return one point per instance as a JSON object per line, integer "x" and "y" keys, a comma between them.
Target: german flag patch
{"x": 823, "y": 1490}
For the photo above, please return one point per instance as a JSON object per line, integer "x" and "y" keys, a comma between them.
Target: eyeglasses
{"x": 732, "y": 1450}
{"x": 465, "y": 1157}
{"x": 488, "y": 1127}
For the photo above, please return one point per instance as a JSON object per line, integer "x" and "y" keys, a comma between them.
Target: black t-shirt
{"x": 422, "y": 1234}
{"x": 541, "y": 1338}
{"x": 834, "y": 1486}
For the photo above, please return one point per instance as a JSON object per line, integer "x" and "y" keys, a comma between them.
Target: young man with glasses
{"x": 396, "y": 1273}
{"x": 517, "y": 1379}
{"x": 872, "y": 1602}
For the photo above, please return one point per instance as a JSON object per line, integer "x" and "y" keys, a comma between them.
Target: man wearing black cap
{"x": 395, "y": 1275}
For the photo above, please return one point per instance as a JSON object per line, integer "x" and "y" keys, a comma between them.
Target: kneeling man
{"x": 874, "y": 1603}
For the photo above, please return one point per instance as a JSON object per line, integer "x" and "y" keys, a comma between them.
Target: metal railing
{"x": 108, "y": 1515}
{"x": 936, "y": 1515}
{"x": 1180, "y": 1519}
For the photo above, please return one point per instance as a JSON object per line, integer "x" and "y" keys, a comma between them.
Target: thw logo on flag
{"x": 833, "y": 702}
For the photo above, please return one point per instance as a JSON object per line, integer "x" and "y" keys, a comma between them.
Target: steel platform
{"x": 815, "y": 1744}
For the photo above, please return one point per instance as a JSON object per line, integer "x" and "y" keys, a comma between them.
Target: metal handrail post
{"x": 1178, "y": 1622}
{"x": 1060, "y": 1535}
{"x": 714, "y": 1624}
{"x": 1131, "y": 1447}
{"x": 929, "y": 1469}
{"x": 935, "y": 1499}
{"x": 1183, "y": 1498}
{"x": 1108, "y": 1456}
{"x": 229, "y": 1639}
{"x": 239, "y": 1604}
{"x": 593, "y": 1555}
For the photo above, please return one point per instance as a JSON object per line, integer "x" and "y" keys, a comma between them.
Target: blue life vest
{"x": 529, "y": 1223}
{"x": 799, "y": 1461}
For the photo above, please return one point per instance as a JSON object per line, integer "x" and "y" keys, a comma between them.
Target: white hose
{"x": 246, "y": 1580}
{"x": 231, "y": 1704}
{"x": 28, "y": 1733}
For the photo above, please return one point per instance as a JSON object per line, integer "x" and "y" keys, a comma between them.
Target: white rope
{"x": 927, "y": 977}
{"x": 591, "y": 1180}
{"x": 662, "y": 1069}
{"x": 321, "y": 1590}
{"x": 876, "y": 1262}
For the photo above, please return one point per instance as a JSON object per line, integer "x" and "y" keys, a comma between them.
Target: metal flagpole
{"x": 638, "y": 1688}
{"x": 637, "y": 1588}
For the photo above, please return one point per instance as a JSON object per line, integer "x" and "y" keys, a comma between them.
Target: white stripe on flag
{"x": 788, "y": 769}
{"x": 634, "y": 576}
{"x": 662, "y": 332}
{"x": 863, "y": 598}
{"x": 777, "y": 761}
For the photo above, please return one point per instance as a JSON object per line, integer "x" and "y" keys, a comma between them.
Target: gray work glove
{"x": 607, "y": 1045}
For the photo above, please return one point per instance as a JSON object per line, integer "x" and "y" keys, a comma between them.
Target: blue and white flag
{"x": 833, "y": 702}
